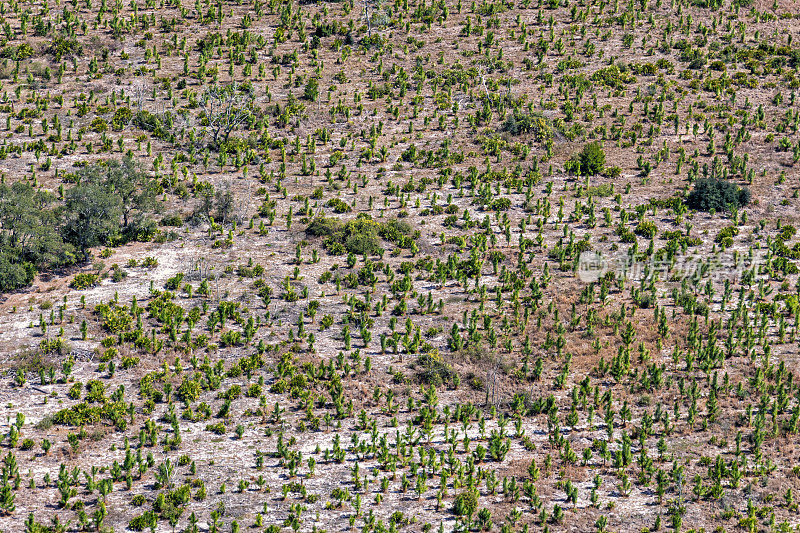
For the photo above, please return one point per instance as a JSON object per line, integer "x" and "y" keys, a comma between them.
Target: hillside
{"x": 381, "y": 266}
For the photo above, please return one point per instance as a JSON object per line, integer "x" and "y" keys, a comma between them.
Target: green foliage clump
{"x": 709, "y": 193}
{"x": 30, "y": 236}
{"x": 189, "y": 391}
{"x": 466, "y": 503}
{"x": 338, "y": 205}
{"x": 433, "y": 370}
{"x": 95, "y": 391}
{"x": 647, "y": 229}
{"x": 58, "y": 345}
{"x": 359, "y": 236}
{"x": 518, "y": 123}
{"x": 590, "y": 161}
{"x": 116, "y": 318}
{"x": 84, "y": 414}
{"x": 64, "y": 47}
{"x": 15, "y": 275}
{"x": 217, "y": 429}
{"x": 99, "y": 125}
{"x": 84, "y": 281}
{"x": 726, "y": 235}
{"x": 148, "y": 520}
{"x": 17, "y": 53}
{"x": 155, "y": 124}
{"x": 613, "y": 77}
{"x": 122, "y": 116}
{"x": 311, "y": 91}
{"x": 74, "y": 391}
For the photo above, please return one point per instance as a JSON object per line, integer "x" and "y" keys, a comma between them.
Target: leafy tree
{"x": 29, "y": 237}
{"x": 14, "y": 274}
{"x": 311, "y": 91}
{"x": 91, "y": 214}
{"x": 717, "y": 194}
{"x": 466, "y": 503}
{"x": 29, "y": 225}
{"x": 136, "y": 191}
{"x": 226, "y": 107}
{"x": 592, "y": 159}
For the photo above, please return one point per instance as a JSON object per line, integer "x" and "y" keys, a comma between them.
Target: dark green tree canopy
{"x": 125, "y": 179}
{"x": 717, "y": 194}
{"x": 91, "y": 215}
{"x": 590, "y": 161}
{"x": 109, "y": 204}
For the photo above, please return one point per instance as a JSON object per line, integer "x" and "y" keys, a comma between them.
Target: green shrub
{"x": 174, "y": 283}
{"x": 359, "y": 236}
{"x": 500, "y": 204}
{"x": 15, "y": 275}
{"x": 647, "y": 229}
{"x": 172, "y": 220}
{"x": 99, "y": 125}
{"x": 74, "y": 391}
{"x": 518, "y": 123}
{"x": 17, "y": 53}
{"x": 95, "y": 391}
{"x": 83, "y": 414}
{"x": 466, "y": 503}
{"x": 116, "y": 318}
{"x": 339, "y": 206}
{"x": 153, "y": 123}
{"x": 122, "y": 116}
{"x": 62, "y": 46}
{"x": 709, "y": 193}
{"x": 84, "y": 281}
{"x": 148, "y": 520}
{"x": 613, "y": 77}
{"x": 432, "y": 370}
{"x": 362, "y": 243}
{"x": 592, "y": 159}
{"x": 58, "y": 345}
{"x": 217, "y": 429}
{"x": 189, "y": 391}
{"x": 311, "y": 91}
{"x": 726, "y": 235}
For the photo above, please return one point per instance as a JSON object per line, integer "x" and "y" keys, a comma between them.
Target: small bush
{"x": 115, "y": 318}
{"x": 591, "y": 160}
{"x": 189, "y": 391}
{"x": 84, "y": 281}
{"x": 62, "y": 46}
{"x": 217, "y": 429}
{"x": 518, "y": 123}
{"x": 432, "y": 370}
{"x": 647, "y": 229}
{"x": 339, "y": 206}
{"x": 99, "y": 125}
{"x": 172, "y": 220}
{"x": 466, "y": 503}
{"x": 83, "y": 414}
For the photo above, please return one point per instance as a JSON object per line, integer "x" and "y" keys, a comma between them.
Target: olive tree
{"x": 226, "y": 107}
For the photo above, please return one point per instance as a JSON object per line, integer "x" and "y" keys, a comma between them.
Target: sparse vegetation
{"x": 391, "y": 266}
